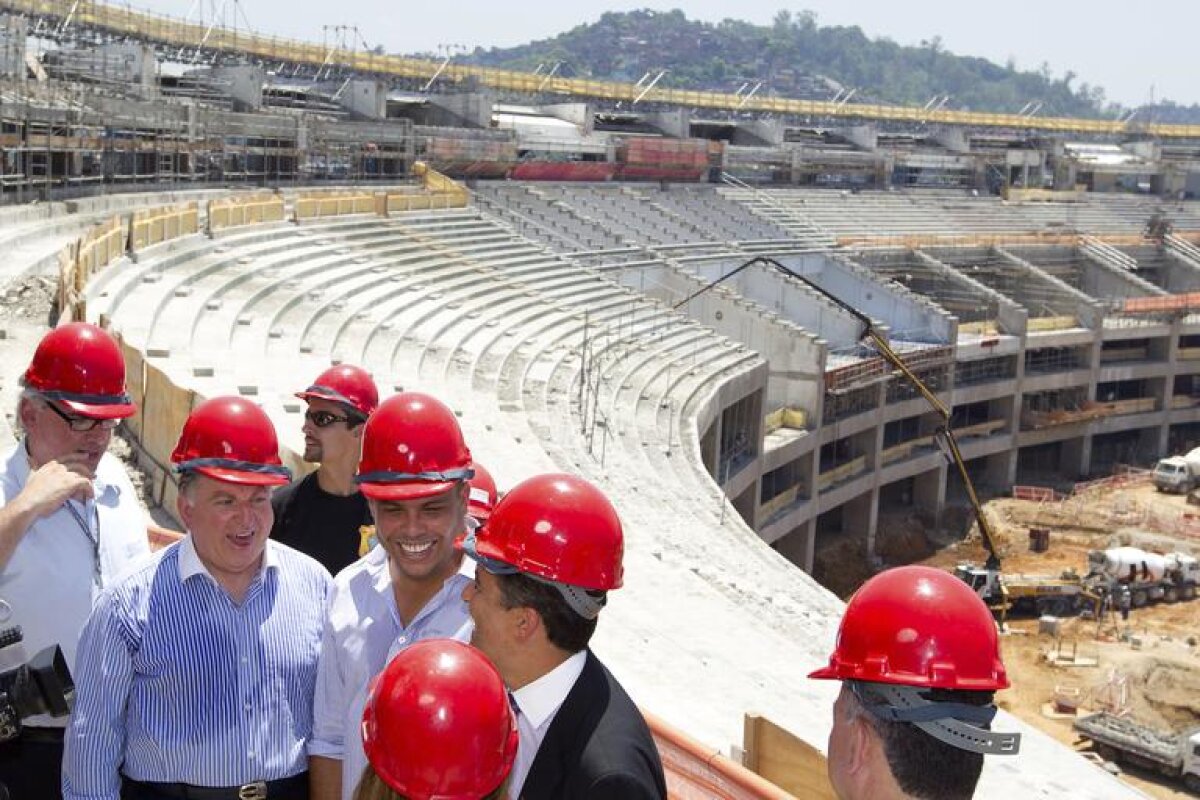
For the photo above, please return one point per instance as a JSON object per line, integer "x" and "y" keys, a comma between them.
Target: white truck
{"x": 1122, "y": 740}
{"x": 1178, "y": 474}
{"x": 1150, "y": 577}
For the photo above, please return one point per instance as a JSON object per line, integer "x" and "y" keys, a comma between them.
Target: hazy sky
{"x": 1127, "y": 48}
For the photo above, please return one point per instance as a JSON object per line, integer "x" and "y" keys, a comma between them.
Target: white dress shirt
{"x": 362, "y": 632}
{"x": 50, "y": 583}
{"x": 536, "y": 705}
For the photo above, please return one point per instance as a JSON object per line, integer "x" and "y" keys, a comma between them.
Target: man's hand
{"x": 48, "y": 487}
{"x": 56, "y": 482}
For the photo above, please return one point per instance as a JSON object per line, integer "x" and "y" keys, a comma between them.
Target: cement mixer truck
{"x": 1149, "y": 576}
{"x": 1178, "y": 474}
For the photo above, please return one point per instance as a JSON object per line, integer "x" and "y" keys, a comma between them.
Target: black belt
{"x": 293, "y": 788}
{"x": 42, "y": 735}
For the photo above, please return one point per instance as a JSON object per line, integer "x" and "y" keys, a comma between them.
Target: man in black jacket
{"x": 546, "y": 558}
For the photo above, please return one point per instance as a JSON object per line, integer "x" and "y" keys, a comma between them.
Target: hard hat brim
{"x": 825, "y": 673}
{"x": 101, "y": 411}
{"x": 409, "y": 490}
{"x": 226, "y": 475}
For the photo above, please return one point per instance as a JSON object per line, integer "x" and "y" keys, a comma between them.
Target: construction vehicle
{"x": 1178, "y": 474}
{"x": 1036, "y": 594}
{"x": 1122, "y": 740}
{"x": 1150, "y": 577}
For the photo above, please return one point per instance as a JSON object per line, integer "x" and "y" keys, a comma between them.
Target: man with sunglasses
{"x": 70, "y": 520}
{"x": 323, "y": 513}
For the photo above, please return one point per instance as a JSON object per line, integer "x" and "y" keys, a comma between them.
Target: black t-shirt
{"x": 323, "y": 525}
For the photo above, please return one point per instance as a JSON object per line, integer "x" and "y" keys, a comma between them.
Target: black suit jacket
{"x": 597, "y": 748}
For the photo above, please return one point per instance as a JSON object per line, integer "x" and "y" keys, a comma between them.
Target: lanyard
{"x": 93, "y": 537}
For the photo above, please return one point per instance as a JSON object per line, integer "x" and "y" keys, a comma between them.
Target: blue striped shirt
{"x": 177, "y": 683}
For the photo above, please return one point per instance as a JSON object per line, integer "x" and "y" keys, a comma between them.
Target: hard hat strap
{"x": 229, "y": 463}
{"x": 431, "y": 476}
{"x": 332, "y": 395}
{"x": 584, "y": 603}
{"x": 955, "y": 724}
{"x": 87, "y": 399}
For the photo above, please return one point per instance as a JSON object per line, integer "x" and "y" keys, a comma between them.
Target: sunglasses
{"x": 83, "y": 424}
{"x": 323, "y": 419}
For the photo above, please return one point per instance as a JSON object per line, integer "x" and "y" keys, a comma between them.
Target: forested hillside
{"x": 796, "y": 57}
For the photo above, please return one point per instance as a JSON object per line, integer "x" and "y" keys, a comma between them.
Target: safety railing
{"x": 1045, "y": 324}
{"x": 81, "y": 259}
{"x": 838, "y": 474}
{"x": 436, "y": 191}
{"x": 155, "y": 225}
{"x": 251, "y": 209}
{"x": 695, "y": 771}
{"x": 318, "y": 205}
{"x": 795, "y": 418}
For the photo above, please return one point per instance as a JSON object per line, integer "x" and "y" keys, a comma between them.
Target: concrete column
{"x": 1075, "y": 456}
{"x": 929, "y": 492}
{"x": 675, "y": 123}
{"x": 862, "y": 515}
{"x": 797, "y": 546}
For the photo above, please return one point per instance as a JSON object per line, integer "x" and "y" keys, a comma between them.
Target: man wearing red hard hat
{"x": 197, "y": 670}
{"x": 414, "y": 472}
{"x": 919, "y": 659}
{"x": 323, "y": 513}
{"x": 548, "y": 555}
{"x": 70, "y": 520}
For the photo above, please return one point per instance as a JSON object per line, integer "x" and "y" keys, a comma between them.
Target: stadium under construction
{"x": 565, "y": 286}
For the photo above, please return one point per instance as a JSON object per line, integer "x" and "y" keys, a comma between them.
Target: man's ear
{"x": 527, "y": 624}
{"x": 864, "y": 746}
{"x": 184, "y": 506}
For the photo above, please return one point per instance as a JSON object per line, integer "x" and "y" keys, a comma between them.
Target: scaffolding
{"x": 58, "y": 139}
{"x": 100, "y": 19}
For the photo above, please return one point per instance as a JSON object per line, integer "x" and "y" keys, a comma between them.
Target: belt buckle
{"x": 253, "y": 791}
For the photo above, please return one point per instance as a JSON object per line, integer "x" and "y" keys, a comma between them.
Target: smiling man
{"x": 197, "y": 671}
{"x": 70, "y": 520}
{"x": 323, "y": 513}
{"x": 414, "y": 472}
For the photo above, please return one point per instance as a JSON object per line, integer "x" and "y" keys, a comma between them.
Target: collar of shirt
{"x": 190, "y": 564}
{"x": 540, "y": 700}
{"x": 382, "y": 579}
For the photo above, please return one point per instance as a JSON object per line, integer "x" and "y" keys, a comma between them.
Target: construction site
{"x": 793, "y": 340}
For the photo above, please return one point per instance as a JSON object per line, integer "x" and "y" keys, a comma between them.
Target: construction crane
{"x": 870, "y": 334}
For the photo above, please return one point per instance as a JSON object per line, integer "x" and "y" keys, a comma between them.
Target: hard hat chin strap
{"x": 956, "y": 724}
{"x": 584, "y": 603}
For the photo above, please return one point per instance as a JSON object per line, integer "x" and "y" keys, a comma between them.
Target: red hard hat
{"x": 917, "y": 626}
{"x": 412, "y": 448}
{"x": 232, "y": 440}
{"x": 80, "y": 366}
{"x": 483, "y": 495}
{"x": 346, "y": 384}
{"x": 558, "y": 528}
{"x": 438, "y": 725}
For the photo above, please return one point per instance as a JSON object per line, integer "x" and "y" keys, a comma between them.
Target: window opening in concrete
{"x": 1055, "y": 359}
{"x": 986, "y": 370}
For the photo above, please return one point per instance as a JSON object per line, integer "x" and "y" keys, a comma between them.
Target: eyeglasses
{"x": 323, "y": 419}
{"x": 83, "y": 424}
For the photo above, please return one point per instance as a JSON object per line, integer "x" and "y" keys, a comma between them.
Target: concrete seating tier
{"x": 900, "y": 213}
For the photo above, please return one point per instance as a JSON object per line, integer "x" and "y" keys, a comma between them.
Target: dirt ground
{"x": 1149, "y": 667}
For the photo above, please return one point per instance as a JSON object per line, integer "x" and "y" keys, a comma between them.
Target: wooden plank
{"x": 785, "y": 759}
